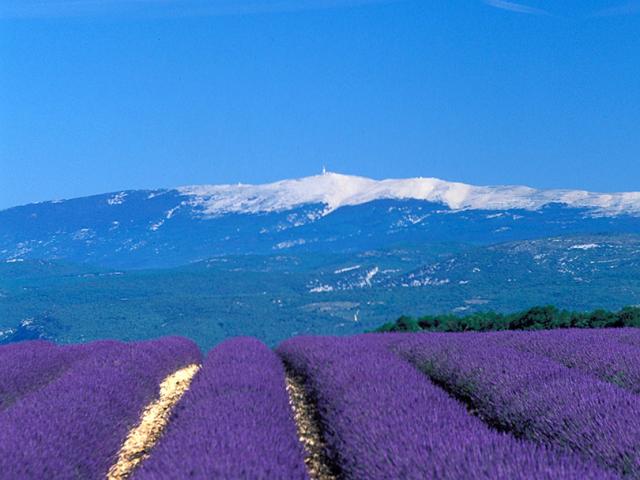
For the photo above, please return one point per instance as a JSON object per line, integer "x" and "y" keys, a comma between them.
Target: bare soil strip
{"x": 309, "y": 432}
{"x": 152, "y": 423}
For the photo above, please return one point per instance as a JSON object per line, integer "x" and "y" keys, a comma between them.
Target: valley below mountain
{"x": 273, "y": 297}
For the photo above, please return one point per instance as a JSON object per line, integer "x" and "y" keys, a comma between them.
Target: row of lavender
{"x": 611, "y": 355}
{"x": 234, "y": 422}
{"x": 383, "y": 419}
{"x": 569, "y": 390}
{"x": 65, "y": 411}
{"x": 26, "y": 367}
{"x": 380, "y": 417}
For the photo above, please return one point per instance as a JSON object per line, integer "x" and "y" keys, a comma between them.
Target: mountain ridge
{"x": 336, "y": 190}
{"x": 323, "y": 213}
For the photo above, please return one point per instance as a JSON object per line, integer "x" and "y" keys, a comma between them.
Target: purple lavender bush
{"x": 598, "y": 352}
{"x": 383, "y": 419}
{"x": 28, "y": 366}
{"x": 234, "y": 422}
{"x": 629, "y": 336}
{"x": 532, "y": 396}
{"x": 74, "y": 426}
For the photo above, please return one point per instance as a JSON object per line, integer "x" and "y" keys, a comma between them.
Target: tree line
{"x": 536, "y": 318}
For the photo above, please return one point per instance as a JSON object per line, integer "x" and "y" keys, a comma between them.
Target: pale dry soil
{"x": 153, "y": 421}
{"x": 309, "y": 431}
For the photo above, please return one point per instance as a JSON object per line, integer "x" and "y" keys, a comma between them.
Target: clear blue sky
{"x": 104, "y": 95}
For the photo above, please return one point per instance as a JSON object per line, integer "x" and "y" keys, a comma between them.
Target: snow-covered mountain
{"x": 323, "y": 213}
{"x": 335, "y": 191}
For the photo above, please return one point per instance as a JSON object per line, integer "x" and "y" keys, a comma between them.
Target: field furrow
{"x": 307, "y": 421}
{"x": 27, "y": 367}
{"x": 533, "y": 397}
{"x": 155, "y": 417}
{"x": 600, "y": 353}
{"x": 541, "y": 405}
{"x": 234, "y": 422}
{"x": 74, "y": 427}
{"x": 383, "y": 419}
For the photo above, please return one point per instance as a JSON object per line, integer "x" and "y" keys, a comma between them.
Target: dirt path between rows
{"x": 153, "y": 421}
{"x": 307, "y": 421}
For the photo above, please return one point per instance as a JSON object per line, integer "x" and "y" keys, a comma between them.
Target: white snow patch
{"x": 584, "y": 246}
{"x": 415, "y": 219}
{"x": 369, "y": 276}
{"x": 6, "y": 333}
{"x": 346, "y": 269}
{"x": 171, "y": 212}
{"x": 289, "y": 244}
{"x": 321, "y": 288}
{"x": 461, "y": 309}
{"x": 428, "y": 281}
{"x": 131, "y": 245}
{"x": 117, "y": 199}
{"x": 335, "y": 190}
{"x": 83, "y": 234}
{"x": 156, "y": 193}
{"x": 155, "y": 226}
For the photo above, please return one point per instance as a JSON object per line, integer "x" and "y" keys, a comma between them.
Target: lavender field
{"x": 503, "y": 405}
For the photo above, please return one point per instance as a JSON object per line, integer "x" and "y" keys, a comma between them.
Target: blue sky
{"x": 104, "y": 95}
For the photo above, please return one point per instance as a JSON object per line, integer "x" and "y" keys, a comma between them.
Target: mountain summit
{"x": 336, "y": 190}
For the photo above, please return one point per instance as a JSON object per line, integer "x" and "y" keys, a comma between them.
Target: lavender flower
{"x": 383, "y": 419}
{"x": 28, "y": 366}
{"x": 74, "y": 426}
{"x": 234, "y": 422}
{"x": 598, "y": 352}
{"x": 532, "y": 396}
